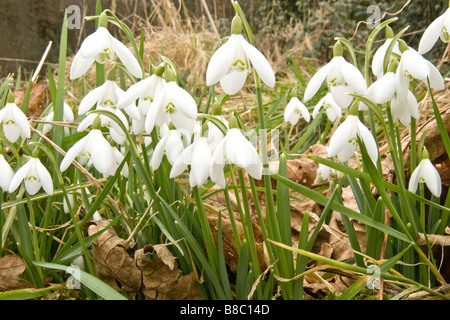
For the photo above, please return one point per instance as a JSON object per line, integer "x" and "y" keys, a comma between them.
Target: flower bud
{"x": 236, "y": 25}
{"x": 337, "y": 49}
{"x": 389, "y": 32}
{"x": 97, "y": 123}
{"x": 103, "y": 20}
{"x": 233, "y": 122}
{"x": 10, "y": 97}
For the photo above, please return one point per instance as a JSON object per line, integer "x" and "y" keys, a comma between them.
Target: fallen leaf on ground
{"x": 160, "y": 282}
{"x": 112, "y": 262}
{"x": 38, "y": 100}
{"x": 11, "y": 268}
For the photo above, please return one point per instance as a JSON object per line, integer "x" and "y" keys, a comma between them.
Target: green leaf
{"x": 91, "y": 282}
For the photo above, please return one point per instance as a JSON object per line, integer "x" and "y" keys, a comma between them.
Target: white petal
{"x": 44, "y": 176}
{"x": 101, "y": 153}
{"x": 19, "y": 176}
{"x": 126, "y": 57}
{"x": 6, "y": 173}
{"x": 368, "y": 140}
{"x": 80, "y": 65}
{"x": 158, "y": 153}
{"x": 22, "y": 122}
{"x": 382, "y": 90}
{"x": 290, "y": 114}
{"x": 415, "y": 65}
{"x": 340, "y": 139}
{"x": 95, "y": 43}
{"x": 93, "y": 97}
{"x": 218, "y": 163}
{"x": 378, "y": 58}
{"x": 220, "y": 62}
{"x": 259, "y": 62}
{"x": 134, "y": 92}
{"x": 182, "y": 162}
{"x": 316, "y": 82}
{"x": 353, "y": 77}
{"x": 431, "y": 34}
{"x": 432, "y": 177}
{"x": 414, "y": 179}
{"x": 435, "y": 77}
{"x": 340, "y": 96}
{"x": 233, "y": 81}
{"x": 75, "y": 150}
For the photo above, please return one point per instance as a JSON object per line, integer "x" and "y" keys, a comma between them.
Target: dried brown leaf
{"x": 160, "y": 282}
{"x": 39, "y": 98}
{"x": 112, "y": 262}
{"x": 11, "y": 268}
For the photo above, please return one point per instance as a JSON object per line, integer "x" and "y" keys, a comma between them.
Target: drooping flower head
{"x": 234, "y": 149}
{"x": 342, "y": 78}
{"x": 34, "y": 175}
{"x": 198, "y": 156}
{"x": 413, "y": 66}
{"x": 101, "y": 46}
{"x": 171, "y": 145}
{"x": 230, "y": 64}
{"x": 172, "y": 104}
{"x": 439, "y": 28}
{"x": 95, "y": 149}
{"x": 331, "y": 108}
{"x": 380, "y": 53}
{"x": 295, "y": 109}
{"x": 426, "y": 173}
{"x": 14, "y": 121}
{"x": 344, "y": 141}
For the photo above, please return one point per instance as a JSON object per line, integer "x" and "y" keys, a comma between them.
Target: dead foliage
{"x": 38, "y": 100}
{"x": 157, "y": 278}
{"x": 11, "y": 269}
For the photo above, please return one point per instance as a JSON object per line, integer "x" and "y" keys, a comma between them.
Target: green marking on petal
{"x": 170, "y": 108}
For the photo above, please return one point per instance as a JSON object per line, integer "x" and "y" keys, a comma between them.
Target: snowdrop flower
{"x": 107, "y": 96}
{"x": 144, "y": 92}
{"x": 115, "y": 130}
{"x": 101, "y": 46}
{"x": 342, "y": 78}
{"x": 172, "y": 104}
{"x": 14, "y": 121}
{"x": 171, "y": 145}
{"x": 35, "y": 176}
{"x": 295, "y": 109}
{"x": 6, "y": 173}
{"x": 331, "y": 108}
{"x": 382, "y": 90}
{"x": 118, "y": 158}
{"x": 237, "y": 150}
{"x": 413, "y": 65}
{"x": 403, "y": 106}
{"x": 94, "y": 148}
{"x": 323, "y": 172}
{"x": 380, "y": 53}
{"x": 67, "y": 117}
{"x": 198, "y": 155}
{"x": 345, "y": 139}
{"x": 426, "y": 173}
{"x": 230, "y": 63}
{"x": 439, "y": 28}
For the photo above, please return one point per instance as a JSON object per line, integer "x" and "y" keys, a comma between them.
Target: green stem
{"x": 207, "y": 235}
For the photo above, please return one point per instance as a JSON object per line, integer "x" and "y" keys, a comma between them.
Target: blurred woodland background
{"x": 186, "y": 30}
